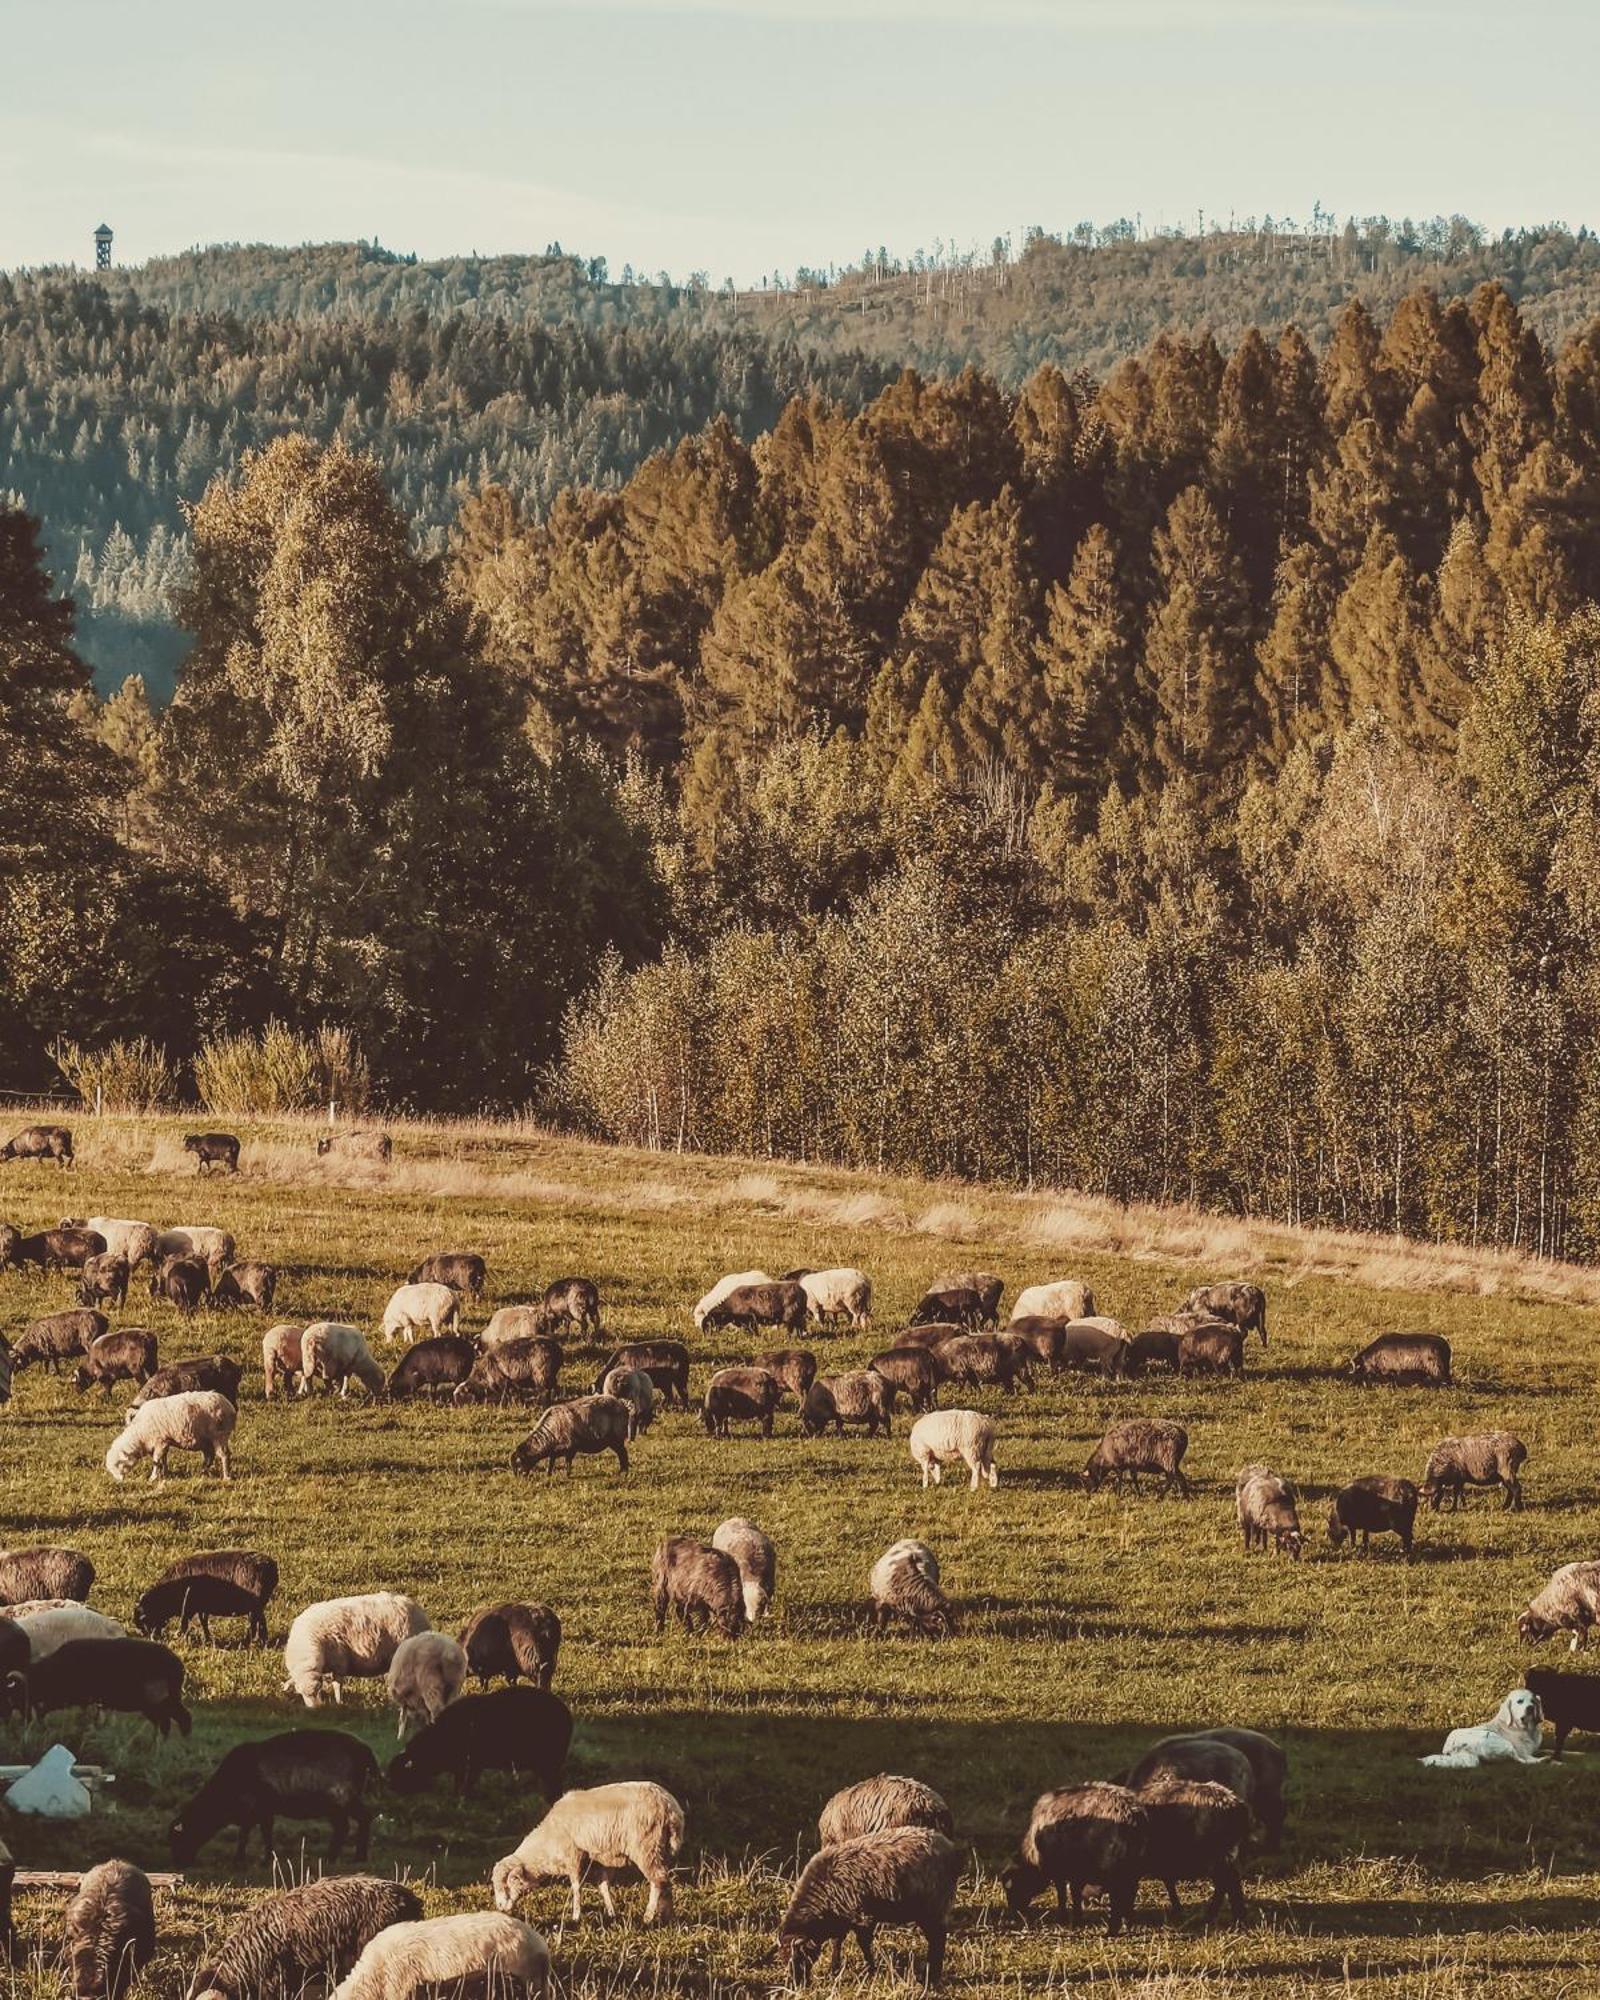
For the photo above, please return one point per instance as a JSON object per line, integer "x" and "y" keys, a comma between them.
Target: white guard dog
{"x": 1513, "y": 1737}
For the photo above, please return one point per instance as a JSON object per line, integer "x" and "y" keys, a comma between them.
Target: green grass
{"x": 1092, "y": 1624}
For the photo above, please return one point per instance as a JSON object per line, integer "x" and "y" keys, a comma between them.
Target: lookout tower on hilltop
{"x": 102, "y": 247}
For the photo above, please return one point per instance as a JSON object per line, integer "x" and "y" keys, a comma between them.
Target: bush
{"x": 128, "y": 1076}
{"x": 276, "y": 1070}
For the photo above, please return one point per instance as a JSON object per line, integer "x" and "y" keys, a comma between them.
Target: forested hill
{"x": 114, "y": 412}
{"x": 1084, "y": 300}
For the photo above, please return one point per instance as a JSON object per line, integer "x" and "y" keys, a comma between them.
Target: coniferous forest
{"x": 1156, "y": 778}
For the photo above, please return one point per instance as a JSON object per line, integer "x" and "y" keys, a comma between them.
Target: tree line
{"x": 1182, "y": 785}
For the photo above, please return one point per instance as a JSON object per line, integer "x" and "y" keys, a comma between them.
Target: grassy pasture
{"x": 1092, "y": 1624}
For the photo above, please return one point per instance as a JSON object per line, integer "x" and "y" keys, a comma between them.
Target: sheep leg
{"x": 577, "y": 1896}
{"x": 1172, "y": 1899}
{"x": 658, "y": 1906}
{"x": 935, "y": 1934}
{"x": 864, "y": 1939}
{"x": 977, "y": 1476}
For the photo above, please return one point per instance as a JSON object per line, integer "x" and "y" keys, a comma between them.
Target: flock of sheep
{"x": 887, "y": 1850}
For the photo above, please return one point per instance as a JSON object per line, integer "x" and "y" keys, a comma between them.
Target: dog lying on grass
{"x": 1513, "y": 1737}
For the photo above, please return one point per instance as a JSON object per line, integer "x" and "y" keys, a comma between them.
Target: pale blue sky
{"x": 742, "y": 138}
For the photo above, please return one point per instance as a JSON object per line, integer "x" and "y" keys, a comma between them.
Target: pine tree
{"x": 1089, "y": 664}
{"x": 1197, "y": 665}
{"x": 1375, "y": 637}
{"x": 1297, "y": 694}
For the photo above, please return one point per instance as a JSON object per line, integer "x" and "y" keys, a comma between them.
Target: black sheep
{"x": 1570, "y": 1701}
{"x": 512, "y": 1642}
{"x": 444, "y": 1362}
{"x": 198, "y": 1598}
{"x": 130, "y": 1676}
{"x": 509, "y": 1729}
{"x": 177, "y": 1378}
{"x": 300, "y": 1774}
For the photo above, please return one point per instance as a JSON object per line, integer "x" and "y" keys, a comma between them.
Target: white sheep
{"x": 196, "y": 1420}
{"x": 134, "y": 1240}
{"x": 633, "y": 1387}
{"x": 196, "y": 1239}
{"x": 720, "y": 1290}
{"x": 602, "y": 1832}
{"x": 481, "y": 1949}
{"x": 757, "y": 1559}
{"x": 347, "y": 1638}
{"x": 415, "y": 1306}
{"x": 280, "y": 1356}
{"x": 51, "y": 1622}
{"x": 843, "y": 1293}
{"x": 425, "y": 1676}
{"x": 334, "y": 1352}
{"x": 1063, "y": 1298}
{"x": 943, "y": 1436}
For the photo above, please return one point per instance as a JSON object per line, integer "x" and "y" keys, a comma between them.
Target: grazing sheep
{"x": 1373, "y": 1505}
{"x": 1140, "y": 1444}
{"x": 246, "y": 1285}
{"x": 732, "y": 1282}
{"x": 1569, "y": 1701}
{"x": 1193, "y": 1756}
{"x": 1513, "y": 1737}
{"x": 518, "y": 1729}
{"x": 877, "y": 1804}
{"x": 633, "y": 1387}
{"x": 482, "y": 1952}
{"x": 426, "y": 1674}
{"x": 989, "y": 1288}
{"x": 10, "y": 1244}
{"x": 192, "y": 1599}
{"x": 584, "y": 1427}
{"x": 49, "y": 1624}
{"x": 1266, "y": 1507}
{"x": 462, "y": 1270}
{"x": 859, "y": 1396}
{"x": 1043, "y": 1338}
{"x": 700, "y": 1586}
{"x": 984, "y": 1361}
{"x": 1062, "y": 1298}
{"x": 1155, "y": 1347}
{"x": 1211, "y": 1350}
{"x": 334, "y": 1353}
{"x": 603, "y": 1832}
{"x": 27, "y": 1575}
{"x": 904, "y": 1583}
{"x": 1405, "y": 1360}
{"x": 358, "y": 1144}
{"x": 757, "y": 1562}
{"x": 128, "y": 1676}
{"x": 1095, "y": 1347}
{"x": 283, "y": 1358}
{"x": 214, "y": 1247}
{"x": 912, "y": 1372}
{"x": 219, "y": 1373}
{"x": 740, "y": 1395}
{"x": 945, "y": 1436}
{"x": 444, "y": 1362}
{"x": 1080, "y": 1837}
{"x": 347, "y": 1638}
{"x": 64, "y": 1249}
{"x": 1240, "y": 1305}
{"x": 666, "y": 1362}
{"x": 573, "y": 1302}
{"x": 124, "y": 1237}
{"x": 512, "y": 1642}
{"x": 840, "y": 1294}
{"x": 298, "y": 1774}
{"x": 413, "y": 1307}
{"x": 1569, "y": 1602}
{"x": 958, "y": 1307}
{"x": 1491, "y": 1458}
{"x": 199, "y": 1420}
{"x": 184, "y": 1282}
{"x": 200, "y": 1586}
{"x": 516, "y": 1323}
{"x": 40, "y": 1142}
{"x": 213, "y": 1149}
{"x": 109, "y": 1930}
{"x": 128, "y": 1355}
{"x": 57, "y": 1338}
{"x": 288, "y": 1942}
{"x": 932, "y": 1336}
{"x": 1194, "y": 1832}
{"x": 523, "y": 1371}
{"x": 775, "y": 1304}
{"x": 104, "y": 1277}
{"x": 907, "y": 1875}
{"x": 795, "y": 1369}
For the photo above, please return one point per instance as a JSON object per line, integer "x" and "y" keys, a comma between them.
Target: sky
{"x": 749, "y": 138}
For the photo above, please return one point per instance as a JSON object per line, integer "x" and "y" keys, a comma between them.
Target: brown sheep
{"x": 907, "y": 1875}
{"x": 1141, "y": 1444}
{"x": 1078, "y": 1837}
